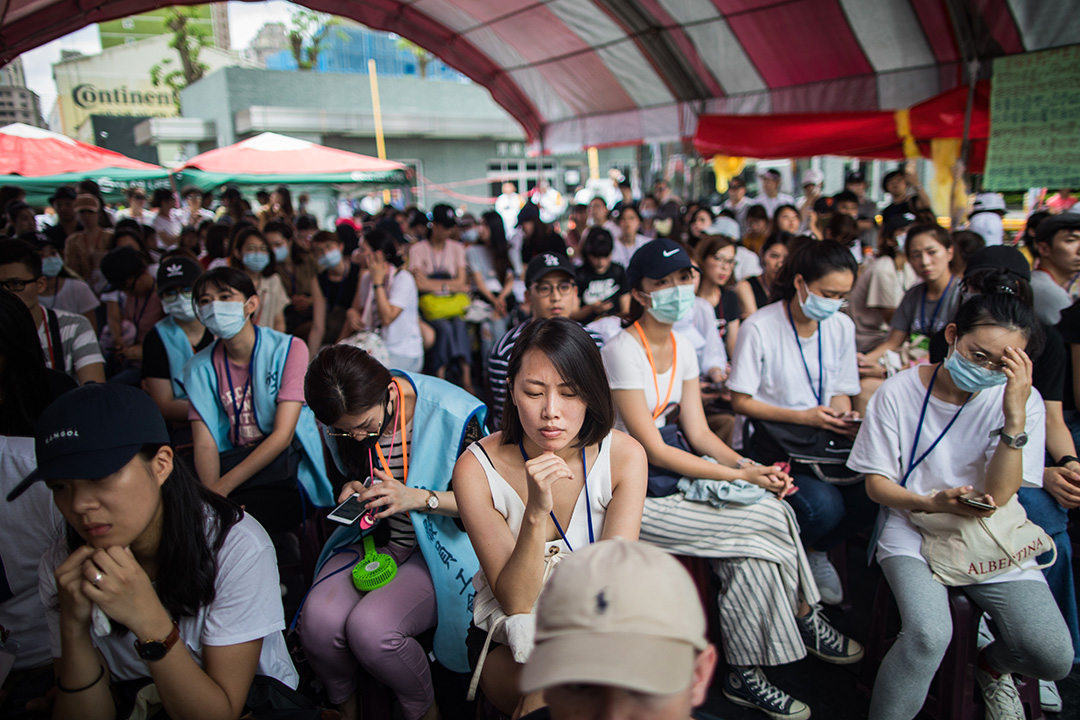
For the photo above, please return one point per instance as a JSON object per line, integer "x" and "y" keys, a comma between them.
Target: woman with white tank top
{"x": 555, "y": 478}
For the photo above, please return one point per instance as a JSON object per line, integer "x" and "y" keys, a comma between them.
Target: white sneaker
{"x": 1000, "y": 695}
{"x": 1049, "y": 697}
{"x": 826, "y": 577}
{"x": 985, "y": 637}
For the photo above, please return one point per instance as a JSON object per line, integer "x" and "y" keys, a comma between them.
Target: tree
{"x": 423, "y": 57}
{"x": 308, "y": 36}
{"x": 188, "y": 40}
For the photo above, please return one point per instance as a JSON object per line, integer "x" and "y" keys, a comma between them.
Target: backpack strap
{"x": 58, "y": 347}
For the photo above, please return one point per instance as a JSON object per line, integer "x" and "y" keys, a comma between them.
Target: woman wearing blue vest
{"x": 404, "y": 431}
{"x": 173, "y": 341}
{"x": 254, "y": 438}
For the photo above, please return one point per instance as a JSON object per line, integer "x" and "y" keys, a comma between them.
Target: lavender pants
{"x": 342, "y": 627}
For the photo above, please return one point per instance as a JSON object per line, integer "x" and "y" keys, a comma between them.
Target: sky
{"x": 245, "y": 19}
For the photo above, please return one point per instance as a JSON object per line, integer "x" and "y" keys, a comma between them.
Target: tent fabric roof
{"x": 274, "y": 154}
{"x": 30, "y": 151}
{"x": 606, "y": 72}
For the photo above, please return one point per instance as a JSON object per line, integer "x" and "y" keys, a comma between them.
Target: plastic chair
{"x": 953, "y": 694}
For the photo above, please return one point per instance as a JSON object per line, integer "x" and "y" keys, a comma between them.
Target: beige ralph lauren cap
{"x": 618, "y": 613}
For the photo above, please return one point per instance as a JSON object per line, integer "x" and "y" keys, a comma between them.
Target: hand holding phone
{"x": 349, "y": 511}
{"x": 975, "y": 503}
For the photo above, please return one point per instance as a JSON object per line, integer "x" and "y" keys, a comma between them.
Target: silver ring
{"x": 97, "y": 579}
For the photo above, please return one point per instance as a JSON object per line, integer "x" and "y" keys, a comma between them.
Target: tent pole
{"x": 380, "y": 141}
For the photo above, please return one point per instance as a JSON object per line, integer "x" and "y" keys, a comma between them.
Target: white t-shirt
{"x": 768, "y": 365}
{"x": 246, "y": 607}
{"x": 880, "y": 285}
{"x": 74, "y": 296}
{"x": 702, "y": 329}
{"x": 770, "y": 204}
{"x": 621, "y": 253}
{"x": 402, "y": 337}
{"x": 628, "y": 368}
{"x": 747, "y": 263}
{"x": 30, "y": 527}
{"x": 883, "y": 447}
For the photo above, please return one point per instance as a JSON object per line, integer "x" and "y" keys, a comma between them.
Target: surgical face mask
{"x": 970, "y": 377}
{"x": 470, "y": 236}
{"x": 51, "y": 266}
{"x": 647, "y": 213}
{"x": 819, "y": 308}
{"x": 223, "y": 318}
{"x": 901, "y": 240}
{"x": 281, "y": 253}
{"x": 330, "y": 259}
{"x": 663, "y": 227}
{"x": 256, "y": 261}
{"x": 180, "y": 308}
{"x": 672, "y": 304}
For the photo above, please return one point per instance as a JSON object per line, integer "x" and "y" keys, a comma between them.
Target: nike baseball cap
{"x": 656, "y": 259}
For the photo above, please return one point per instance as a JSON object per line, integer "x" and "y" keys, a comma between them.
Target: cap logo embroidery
{"x": 174, "y": 271}
{"x": 61, "y": 434}
{"x": 601, "y": 603}
{"x": 551, "y": 260}
{"x": 669, "y": 253}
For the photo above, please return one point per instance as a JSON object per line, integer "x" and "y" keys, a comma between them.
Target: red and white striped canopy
{"x": 602, "y": 72}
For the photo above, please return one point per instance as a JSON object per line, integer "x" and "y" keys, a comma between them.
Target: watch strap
{"x": 168, "y": 642}
{"x": 427, "y": 503}
{"x": 1066, "y": 459}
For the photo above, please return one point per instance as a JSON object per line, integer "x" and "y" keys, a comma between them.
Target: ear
{"x": 256, "y": 302}
{"x": 161, "y": 465}
{"x": 643, "y": 299}
{"x": 704, "y": 665}
{"x": 950, "y": 333}
{"x": 42, "y": 281}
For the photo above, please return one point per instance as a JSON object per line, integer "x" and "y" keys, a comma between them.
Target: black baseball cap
{"x": 120, "y": 265}
{"x": 443, "y": 215}
{"x": 529, "y": 212}
{"x": 895, "y": 221}
{"x": 855, "y": 176}
{"x": 656, "y": 259}
{"x": 545, "y": 263}
{"x": 177, "y": 272}
{"x": 999, "y": 257}
{"x": 1050, "y": 226}
{"x": 93, "y": 431}
{"x": 63, "y": 193}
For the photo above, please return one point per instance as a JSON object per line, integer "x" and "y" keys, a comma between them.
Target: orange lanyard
{"x": 404, "y": 445}
{"x": 652, "y": 364}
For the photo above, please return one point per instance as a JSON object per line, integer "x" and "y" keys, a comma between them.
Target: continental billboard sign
{"x": 81, "y": 96}
{"x": 91, "y": 98}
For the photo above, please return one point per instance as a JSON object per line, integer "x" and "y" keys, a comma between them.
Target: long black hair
{"x": 813, "y": 259}
{"x": 500, "y": 250}
{"x": 195, "y": 523}
{"x": 380, "y": 240}
{"x": 24, "y": 379}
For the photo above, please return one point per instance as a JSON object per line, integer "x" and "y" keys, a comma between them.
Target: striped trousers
{"x": 761, "y": 564}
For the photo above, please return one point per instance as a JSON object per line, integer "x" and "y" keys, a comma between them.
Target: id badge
{"x": 8, "y": 650}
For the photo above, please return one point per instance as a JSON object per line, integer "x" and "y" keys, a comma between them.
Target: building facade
{"x": 211, "y": 21}
{"x": 17, "y": 102}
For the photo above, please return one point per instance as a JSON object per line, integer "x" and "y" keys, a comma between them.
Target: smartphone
{"x": 349, "y": 511}
{"x": 855, "y": 420}
{"x": 976, "y": 503}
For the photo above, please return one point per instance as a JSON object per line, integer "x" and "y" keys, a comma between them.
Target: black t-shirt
{"x": 729, "y": 310}
{"x": 155, "y": 361}
{"x": 596, "y": 287}
{"x": 58, "y": 235}
{"x": 1047, "y": 370}
{"x": 13, "y": 425}
{"x": 1069, "y": 329}
{"x": 339, "y": 294}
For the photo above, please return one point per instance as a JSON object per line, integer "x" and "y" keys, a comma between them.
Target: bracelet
{"x": 1066, "y": 459}
{"x": 101, "y": 674}
{"x": 376, "y": 286}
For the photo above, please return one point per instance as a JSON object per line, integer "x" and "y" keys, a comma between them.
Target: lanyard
{"x": 404, "y": 445}
{"x": 139, "y": 312}
{"x": 927, "y": 329}
{"x": 588, "y": 507}
{"x": 913, "y": 462}
{"x": 48, "y": 339}
{"x": 819, "y": 395}
{"x": 660, "y": 405}
{"x": 247, "y": 384}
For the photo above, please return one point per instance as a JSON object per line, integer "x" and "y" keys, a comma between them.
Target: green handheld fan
{"x": 374, "y": 570}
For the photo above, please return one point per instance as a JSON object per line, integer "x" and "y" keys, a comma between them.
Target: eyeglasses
{"x": 15, "y": 284}
{"x": 545, "y": 289}
{"x": 170, "y": 295}
{"x": 723, "y": 261}
{"x": 359, "y": 434}
{"x": 983, "y": 360}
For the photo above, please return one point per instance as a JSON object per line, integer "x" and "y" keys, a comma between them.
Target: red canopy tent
{"x": 33, "y": 152}
{"x": 857, "y": 134}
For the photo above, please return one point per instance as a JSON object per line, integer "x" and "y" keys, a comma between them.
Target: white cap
{"x": 992, "y": 202}
{"x": 813, "y": 176}
{"x": 723, "y": 225}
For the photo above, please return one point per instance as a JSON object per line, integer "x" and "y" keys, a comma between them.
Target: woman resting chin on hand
{"x": 188, "y": 584}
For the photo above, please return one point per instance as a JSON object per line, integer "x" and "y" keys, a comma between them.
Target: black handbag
{"x": 823, "y": 453}
{"x": 280, "y": 473}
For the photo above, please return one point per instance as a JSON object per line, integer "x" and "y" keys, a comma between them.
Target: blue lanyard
{"x": 247, "y": 384}
{"x": 913, "y": 463}
{"x": 820, "y": 394}
{"x": 928, "y": 329}
{"x": 588, "y": 507}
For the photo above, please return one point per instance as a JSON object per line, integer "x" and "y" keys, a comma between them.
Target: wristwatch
{"x": 1016, "y": 442}
{"x": 1066, "y": 459}
{"x": 432, "y": 501}
{"x": 151, "y": 650}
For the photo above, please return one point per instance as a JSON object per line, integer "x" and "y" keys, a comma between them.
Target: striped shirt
{"x": 499, "y": 363}
{"x": 79, "y": 345}
{"x": 400, "y": 524}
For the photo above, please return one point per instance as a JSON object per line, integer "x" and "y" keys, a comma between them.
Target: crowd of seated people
{"x": 190, "y": 388}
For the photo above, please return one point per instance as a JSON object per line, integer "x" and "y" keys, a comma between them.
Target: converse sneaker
{"x": 826, "y": 577}
{"x": 825, "y": 641}
{"x": 1000, "y": 695}
{"x": 748, "y": 687}
{"x": 1049, "y": 697}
